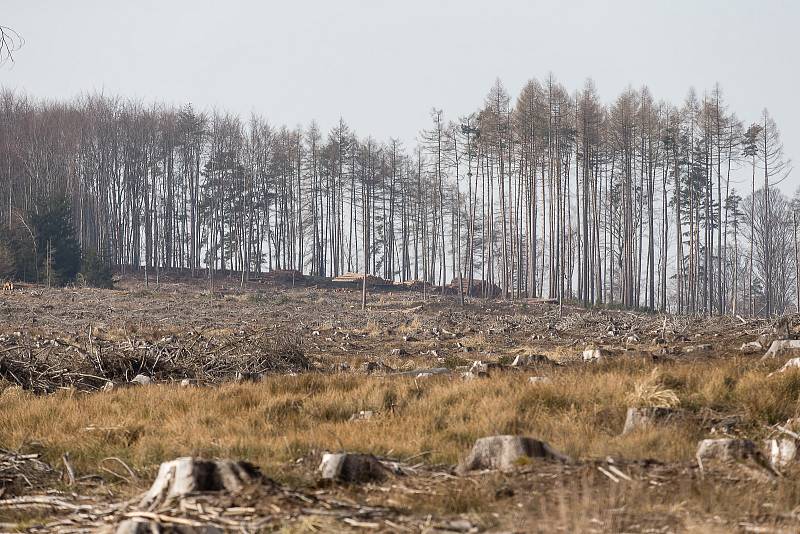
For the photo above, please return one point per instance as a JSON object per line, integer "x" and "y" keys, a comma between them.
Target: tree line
{"x": 636, "y": 203}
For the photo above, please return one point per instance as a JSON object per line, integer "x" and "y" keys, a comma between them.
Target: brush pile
{"x": 44, "y": 363}
{"x": 21, "y": 471}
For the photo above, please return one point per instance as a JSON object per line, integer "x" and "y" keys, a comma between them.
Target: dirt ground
{"x": 276, "y": 372}
{"x": 332, "y": 330}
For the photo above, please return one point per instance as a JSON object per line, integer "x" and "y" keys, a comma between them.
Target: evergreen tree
{"x": 96, "y": 271}
{"x": 56, "y": 244}
{"x": 7, "y": 261}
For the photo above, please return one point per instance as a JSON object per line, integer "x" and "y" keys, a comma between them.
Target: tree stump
{"x": 183, "y": 476}
{"x": 505, "y": 453}
{"x": 354, "y": 468}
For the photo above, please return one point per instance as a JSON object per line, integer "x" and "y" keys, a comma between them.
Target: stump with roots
{"x": 184, "y": 476}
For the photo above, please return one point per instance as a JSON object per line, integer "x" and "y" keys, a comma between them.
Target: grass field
{"x": 581, "y": 412}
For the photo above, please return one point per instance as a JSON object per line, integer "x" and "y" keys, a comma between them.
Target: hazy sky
{"x": 382, "y": 65}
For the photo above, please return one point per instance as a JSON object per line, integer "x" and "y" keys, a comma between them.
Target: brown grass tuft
{"x": 650, "y": 392}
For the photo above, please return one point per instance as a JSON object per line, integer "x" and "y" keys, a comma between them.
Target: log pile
{"x": 358, "y": 279}
{"x": 283, "y": 277}
{"x": 411, "y": 285}
{"x": 480, "y": 288}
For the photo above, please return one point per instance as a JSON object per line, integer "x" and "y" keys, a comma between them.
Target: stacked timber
{"x": 542, "y": 300}
{"x": 283, "y": 277}
{"x": 411, "y": 285}
{"x": 357, "y": 279}
{"x": 480, "y": 288}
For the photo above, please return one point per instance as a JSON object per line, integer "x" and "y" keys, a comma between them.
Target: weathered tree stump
{"x": 147, "y": 526}
{"x": 183, "y": 476}
{"x": 141, "y": 380}
{"x": 506, "y": 453}
{"x": 528, "y": 360}
{"x": 728, "y": 454}
{"x": 637, "y": 418}
{"x": 753, "y": 347}
{"x": 594, "y": 354}
{"x": 781, "y": 452}
{"x": 783, "y": 347}
{"x": 353, "y": 468}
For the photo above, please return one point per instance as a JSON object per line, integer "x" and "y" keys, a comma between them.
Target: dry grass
{"x": 412, "y": 326}
{"x": 284, "y": 418}
{"x": 275, "y": 422}
{"x": 651, "y": 392}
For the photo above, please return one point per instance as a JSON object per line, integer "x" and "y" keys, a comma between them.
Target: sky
{"x": 382, "y": 65}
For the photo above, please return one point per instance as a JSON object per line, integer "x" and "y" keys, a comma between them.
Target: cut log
{"x": 358, "y": 278}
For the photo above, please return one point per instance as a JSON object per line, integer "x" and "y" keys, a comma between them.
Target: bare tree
{"x": 565, "y": 196}
{"x": 10, "y": 42}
